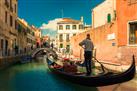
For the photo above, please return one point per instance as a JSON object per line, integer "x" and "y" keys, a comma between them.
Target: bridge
{"x": 44, "y": 51}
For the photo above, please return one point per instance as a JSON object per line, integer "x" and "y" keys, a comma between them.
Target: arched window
{"x": 109, "y": 18}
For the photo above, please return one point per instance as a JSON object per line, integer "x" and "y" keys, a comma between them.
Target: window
{"x": 28, "y": 30}
{"x": 61, "y": 38}
{"x": 67, "y": 27}
{"x": 1, "y": 43}
{"x": 11, "y": 21}
{"x": 67, "y": 38}
{"x": 15, "y": 41}
{"x": 108, "y": 18}
{"x": 132, "y": 1}
{"x": 6, "y": 16}
{"x": 81, "y": 27}
{"x": 60, "y": 27}
{"x": 29, "y": 40}
{"x": 16, "y": 25}
{"x": 19, "y": 28}
{"x": 6, "y": 3}
{"x": 61, "y": 45}
{"x": 33, "y": 34}
{"x": 6, "y": 47}
{"x": 11, "y": 8}
{"x": 67, "y": 48}
{"x": 15, "y": 7}
{"x": 74, "y": 27}
{"x": 115, "y": 15}
{"x": 133, "y": 33}
{"x": 10, "y": 3}
{"x": 74, "y": 34}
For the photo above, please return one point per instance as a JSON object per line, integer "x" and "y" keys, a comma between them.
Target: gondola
{"x": 95, "y": 81}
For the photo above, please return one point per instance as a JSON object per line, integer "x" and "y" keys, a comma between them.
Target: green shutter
{"x": 61, "y": 45}
{"x": 109, "y": 18}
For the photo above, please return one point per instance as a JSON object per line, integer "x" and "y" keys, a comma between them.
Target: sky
{"x": 45, "y": 13}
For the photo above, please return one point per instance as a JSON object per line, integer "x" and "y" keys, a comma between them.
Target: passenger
{"x": 56, "y": 66}
{"x": 73, "y": 67}
{"x": 70, "y": 67}
{"x": 66, "y": 66}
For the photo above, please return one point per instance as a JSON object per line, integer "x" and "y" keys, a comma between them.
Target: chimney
{"x": 81, "y": 19}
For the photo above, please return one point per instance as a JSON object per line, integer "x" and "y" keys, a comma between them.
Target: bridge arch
{"x": 46, "y": 51}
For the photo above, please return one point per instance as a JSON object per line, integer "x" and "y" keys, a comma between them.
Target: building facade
{"x": 45, "y": 41}
{"x": 31, "y": 40}
{"x": 127, "y": 28}
{"x": 22, "y": 35}
{"x": 37, "y": 36}
{"x": 115, "y": 41}
{"x": 26, "y": 36}
{"x": 8, "y": 27}
{"x": 65, "y": 30}
{"x": 104, "y": 13}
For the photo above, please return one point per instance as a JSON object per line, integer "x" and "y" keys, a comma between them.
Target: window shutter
{"x": 109, "y": 18}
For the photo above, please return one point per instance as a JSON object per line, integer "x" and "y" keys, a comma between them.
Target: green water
{"x": 35, "y": 77}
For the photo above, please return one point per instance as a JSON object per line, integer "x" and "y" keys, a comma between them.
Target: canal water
{"x": 37, "y": 77}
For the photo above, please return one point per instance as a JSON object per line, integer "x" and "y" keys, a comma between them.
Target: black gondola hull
{"x": 100, "y": 80}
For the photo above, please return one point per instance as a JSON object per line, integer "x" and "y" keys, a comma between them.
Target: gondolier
{"x": 88, "y": 46}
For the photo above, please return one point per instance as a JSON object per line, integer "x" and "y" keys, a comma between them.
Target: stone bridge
{"x": 44, "y": 51}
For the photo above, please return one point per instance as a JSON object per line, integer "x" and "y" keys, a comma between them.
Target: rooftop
{"x": 68, "y": 20}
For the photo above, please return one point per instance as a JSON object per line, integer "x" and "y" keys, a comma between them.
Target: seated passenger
{"x": 73, "y": 67}
{"x": 70, "y": 68}
{"x": 56, "y": 66}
